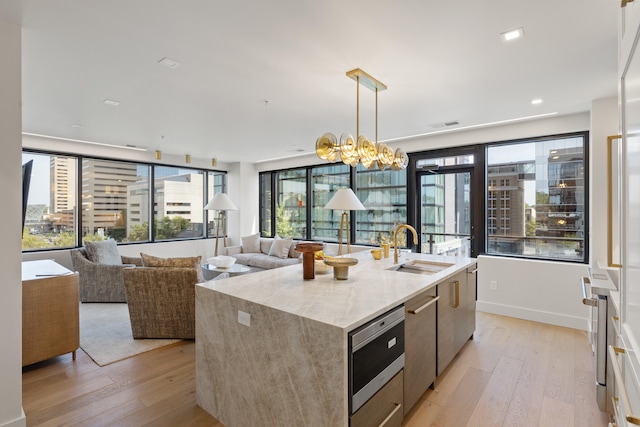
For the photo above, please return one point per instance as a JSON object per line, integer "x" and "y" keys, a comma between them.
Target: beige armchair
{"x": 161, "y": 301}
{"x": 101, "y": 282}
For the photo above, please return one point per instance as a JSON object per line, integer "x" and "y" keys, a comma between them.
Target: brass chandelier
{"x": 350, "y": 151}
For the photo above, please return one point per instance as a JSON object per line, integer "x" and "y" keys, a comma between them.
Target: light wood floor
{"x": 513, "y": 373}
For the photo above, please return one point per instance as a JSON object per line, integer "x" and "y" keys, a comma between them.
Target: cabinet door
{"x": 446, "y": 325}
{"x": 468, "y": 304}
{"x": 384, "y": 408}
{"x": 629, "y": 74}
{"x": 461, "y": 312}
{"x": 420, "y": 346}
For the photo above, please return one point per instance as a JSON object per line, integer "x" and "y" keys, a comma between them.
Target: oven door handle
{"x": 586, "y": 300}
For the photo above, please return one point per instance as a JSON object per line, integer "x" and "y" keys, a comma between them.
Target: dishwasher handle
{"x": 586, "y": 300}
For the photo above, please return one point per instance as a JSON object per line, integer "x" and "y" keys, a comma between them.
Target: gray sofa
{"x": 262, "y": 260}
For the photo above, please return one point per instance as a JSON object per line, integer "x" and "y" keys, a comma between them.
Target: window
{"x": 109, "y": 190}
{"x": 291, "y": 202}
{"x": 265, "y": 204}
{"x": 384, "y": 195}
{"x": 536, "y": 198}
{"x": 51, "y": 206}
{"x": 182, "y": 188}
{"x": 326, "y": 180}
{"x": 301, "y": 195}
{"x": 115, "y": 201}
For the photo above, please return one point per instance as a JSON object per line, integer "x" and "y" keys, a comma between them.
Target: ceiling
{"x": 260, "y": 80}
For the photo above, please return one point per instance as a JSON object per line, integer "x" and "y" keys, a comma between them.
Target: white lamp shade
{"x": 345, "y": 199}
{"x": 221, "y": 202}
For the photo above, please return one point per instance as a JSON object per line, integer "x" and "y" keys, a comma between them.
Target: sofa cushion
{"x": 265, "y": 245}
{"x": 103, "y": 252}
{"x": 280, "y": 247}
{"x": 292, "y": 250}
{"x": 264, "y": 261}
{"x": 251, "y": 244}
{"x": 184, "y": 262}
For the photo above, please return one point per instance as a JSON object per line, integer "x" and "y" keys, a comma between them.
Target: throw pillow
{"x": 184, "y": 262}
{"x": 265, "y": 245}
{"x": 251, "y": 244}
{"x": 280, "y": 247}
{"x": 103, "y": 252}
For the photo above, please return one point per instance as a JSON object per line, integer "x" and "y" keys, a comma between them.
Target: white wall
{"x": 244, "y": 192}
{"x": 543, "y": 291}
{"x": 11, "y": 413}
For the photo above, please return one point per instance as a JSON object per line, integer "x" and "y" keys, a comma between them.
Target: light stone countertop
{"x": 370, "y": 290}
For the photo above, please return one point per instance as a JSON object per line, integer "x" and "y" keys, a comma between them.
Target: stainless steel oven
{"x": 376, "y": 354}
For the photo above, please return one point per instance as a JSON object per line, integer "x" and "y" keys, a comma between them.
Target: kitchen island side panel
{"x": 283, "y": 369}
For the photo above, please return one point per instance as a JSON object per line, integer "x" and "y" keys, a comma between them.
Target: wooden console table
{"x": 50, "y": 311}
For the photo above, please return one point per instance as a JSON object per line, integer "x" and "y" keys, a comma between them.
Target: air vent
{"x": 444, "y": 124}
{"x": 169, "y": 63}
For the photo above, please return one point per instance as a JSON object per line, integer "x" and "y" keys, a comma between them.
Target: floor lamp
{"x": 345, "y": 199}
{"x": 221, "y": 203}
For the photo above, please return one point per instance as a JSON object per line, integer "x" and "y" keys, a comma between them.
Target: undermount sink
{"x": 417, "y": 266}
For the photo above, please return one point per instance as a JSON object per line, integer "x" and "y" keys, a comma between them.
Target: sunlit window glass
{"x": 178, "y": 203}
{"x": 536, "y": 199}
{"x": 291, "y": 203}
{"x": 265, "y": 200}
{"x": 384, "y": 196}
{"x": 50, "y": 216}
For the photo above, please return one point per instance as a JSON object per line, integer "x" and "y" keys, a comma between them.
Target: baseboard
{"x": 19, "y": 422}
{"x": 573, "y": 322}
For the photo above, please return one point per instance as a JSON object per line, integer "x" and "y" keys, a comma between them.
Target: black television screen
{"x": 26, "y": 181}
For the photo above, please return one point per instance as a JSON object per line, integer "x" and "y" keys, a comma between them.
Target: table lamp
{"x": 221, "y": 202}
{"x": 346, "y": 200}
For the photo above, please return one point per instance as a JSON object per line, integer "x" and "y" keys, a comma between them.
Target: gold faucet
{"x": 395, "y": 239}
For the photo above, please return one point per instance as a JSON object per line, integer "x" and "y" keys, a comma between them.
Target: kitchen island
{"x": 271, "y": 348}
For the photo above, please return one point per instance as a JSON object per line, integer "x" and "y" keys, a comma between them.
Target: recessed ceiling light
{"x": 169, "y": 63}
{"x": 111, "y": 102}
{"x": 512, "y": 34}
{"x": 75, "y": 125}
{"x": 536, "y": 101}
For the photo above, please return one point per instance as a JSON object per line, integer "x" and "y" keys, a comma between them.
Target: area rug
{"x": 105, "y": 333}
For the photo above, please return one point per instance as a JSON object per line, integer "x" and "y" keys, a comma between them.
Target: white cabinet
{"x": 627, "y": 403}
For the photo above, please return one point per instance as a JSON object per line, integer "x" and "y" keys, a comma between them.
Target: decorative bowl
{"x": 340, "y": 266}
{"x": 222, "y": 261}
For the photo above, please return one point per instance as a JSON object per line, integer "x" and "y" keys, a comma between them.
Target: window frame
{"x": 77, "y": 187}
{"x": 586, "y": 190}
